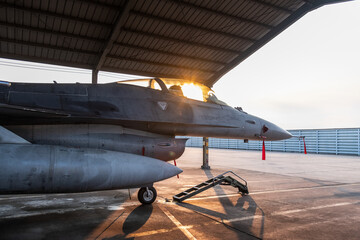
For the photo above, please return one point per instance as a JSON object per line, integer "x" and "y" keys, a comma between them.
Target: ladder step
{"x": 212, "y": 183}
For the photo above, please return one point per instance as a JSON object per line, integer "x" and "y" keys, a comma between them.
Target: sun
{"x": 192, "y": 91}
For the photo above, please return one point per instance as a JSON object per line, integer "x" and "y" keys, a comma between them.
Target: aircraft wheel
{"x": 147, "y": 195}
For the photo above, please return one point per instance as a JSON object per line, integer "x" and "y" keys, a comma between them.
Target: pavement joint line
{"x": 3, "y": 197}
{"x": 218, "y": 220}
{"x": 290, "y": 211}
{"x": 65, "y": 210}
{"x": 110, "y": 225}
{"x": 315, "y": 208}
{"x": 53, "y": 211}
{"x": 275, "y": 191}
{"x": 153, "y": 232}
{"x": 177, "y": 223}
{"x": 229, "y": 221}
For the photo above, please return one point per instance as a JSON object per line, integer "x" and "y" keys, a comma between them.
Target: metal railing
{"x": 342, "y": 141}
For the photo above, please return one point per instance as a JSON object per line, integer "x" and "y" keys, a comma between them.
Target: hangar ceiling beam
{"x": 144, "y": 73}
{"x": 122, "y": 17}
{"x": 189, "y": 57}
{"x": 96, "y": 3}
{"x": 319, "y": 3}
{"x": 47, "y": 46}
{"x": 272, "y": 6}
{"x": 45, "y": 60}
{"x": 161, "y": 64}
{"x": 165, "y": 38}
{"x": 57, "y": 33}
{"x": 193, "y": 27}
{"x": 221, "y": 14}
{"x": 53, "y": 14}
{"x": 182, "y": 42}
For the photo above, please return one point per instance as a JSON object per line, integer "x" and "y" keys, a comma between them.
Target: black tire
{"x": 143, "y": 195}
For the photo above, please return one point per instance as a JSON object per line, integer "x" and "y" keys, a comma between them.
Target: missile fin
{"x": 7, "y": 136}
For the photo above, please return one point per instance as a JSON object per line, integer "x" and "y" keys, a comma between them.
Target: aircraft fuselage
{"x": 130, "y": 106}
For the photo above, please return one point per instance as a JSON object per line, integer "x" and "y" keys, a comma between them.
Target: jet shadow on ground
{"x": 135, "y": 220}
{"x": 245, "y": 204}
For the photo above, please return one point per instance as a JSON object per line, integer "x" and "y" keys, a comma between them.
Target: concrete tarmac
{"x": 292, "y": 196}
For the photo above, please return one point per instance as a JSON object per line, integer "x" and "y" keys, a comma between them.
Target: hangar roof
{"x": 187, "y": 39}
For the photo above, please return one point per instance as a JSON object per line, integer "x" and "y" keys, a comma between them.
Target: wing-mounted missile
{"x": 107, "y": 137}
{"x": 31, "y": 168}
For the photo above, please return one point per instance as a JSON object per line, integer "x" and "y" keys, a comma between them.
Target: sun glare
{"x": 192, "y": 91}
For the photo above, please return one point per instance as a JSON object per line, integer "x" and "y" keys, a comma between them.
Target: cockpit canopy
{"x": 178, "y": 87}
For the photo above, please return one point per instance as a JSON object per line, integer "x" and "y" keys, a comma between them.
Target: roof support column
{"x": 123, "y": 14}
{"x": 94, "y": 79}
{"x": 205, "y": 154}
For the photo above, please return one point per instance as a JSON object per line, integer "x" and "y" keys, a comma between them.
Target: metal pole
{"x": 205, "y": 153}
{"x": 94, "y": 76}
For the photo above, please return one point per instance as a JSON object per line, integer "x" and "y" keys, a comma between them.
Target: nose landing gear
{"x": 147, "y": 195}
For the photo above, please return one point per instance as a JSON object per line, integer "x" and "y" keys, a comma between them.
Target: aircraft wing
{"x": 195, "y": 40}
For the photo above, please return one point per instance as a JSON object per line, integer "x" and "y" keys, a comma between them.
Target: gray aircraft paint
{"x": 98, "y": 136}
{"x": 83, "y": 137}
{"x": 129, "y": 106}
{"x": 7, "y": 136}
{"x": 30, "y": 168}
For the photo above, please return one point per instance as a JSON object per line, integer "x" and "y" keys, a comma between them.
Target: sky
{"x": 308, "y": 77}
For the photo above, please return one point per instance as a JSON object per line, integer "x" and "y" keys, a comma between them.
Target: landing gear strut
{"x": 147, "y": 195}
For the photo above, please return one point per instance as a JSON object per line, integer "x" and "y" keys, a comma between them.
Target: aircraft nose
{"x": 273, "y": 132}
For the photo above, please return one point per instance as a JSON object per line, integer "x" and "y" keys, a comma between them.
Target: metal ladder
{"x": 220, "y": 179}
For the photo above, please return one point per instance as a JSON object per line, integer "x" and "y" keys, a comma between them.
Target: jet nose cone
{"x": 275, "y": 132}
{"x": 282, "y": 134}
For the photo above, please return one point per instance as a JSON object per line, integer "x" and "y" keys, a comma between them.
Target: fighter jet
{"x": 85, "y": 137}
{"x": 88, "y": 137}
